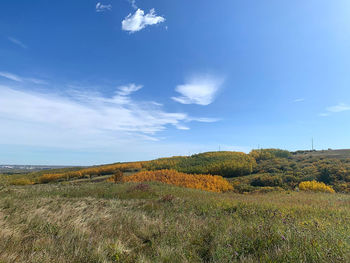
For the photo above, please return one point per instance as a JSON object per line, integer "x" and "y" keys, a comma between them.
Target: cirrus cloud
{"x": 340, "y": 107}
{"x": 83, "y": 118}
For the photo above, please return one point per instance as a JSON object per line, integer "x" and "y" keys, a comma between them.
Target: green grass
{"x": 104, "y": 222}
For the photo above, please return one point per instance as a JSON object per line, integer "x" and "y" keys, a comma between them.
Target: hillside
{"x": 270, "y": 205}
{"x": 259, "y": 170}
{"x": 153, "y": 222}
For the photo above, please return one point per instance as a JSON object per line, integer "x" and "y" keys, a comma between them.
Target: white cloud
{"x": 17, "y": 42}
{"x": 198, "y": 90}
{"x": 338, "y": 108}
{"x": 101, "y": 8}
{"x": 127, "y": 90}
{"x": 82, "y": 119}
{"x": 139, "y": 20}
{"x": 299, "y": 100}
{"x": 17, "y": 78}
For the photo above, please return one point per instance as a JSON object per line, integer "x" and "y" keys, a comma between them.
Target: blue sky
{"x": 89, "y": 82}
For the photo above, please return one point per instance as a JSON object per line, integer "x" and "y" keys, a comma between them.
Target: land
{"x": 17, "y": 169}
{"x": 104, "y": 222}
{"x": 78, "y": 216}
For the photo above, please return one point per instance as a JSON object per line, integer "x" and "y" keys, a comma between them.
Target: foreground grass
{"x": 103, "y": 222}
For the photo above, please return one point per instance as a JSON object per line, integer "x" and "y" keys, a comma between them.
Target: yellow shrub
{"x": 199, "y": 181}
{"x": 88, "y": 172}
{"x": 46, "y": 178}
{"x": 315, "y": 187}
{"x": 21, "y": 181}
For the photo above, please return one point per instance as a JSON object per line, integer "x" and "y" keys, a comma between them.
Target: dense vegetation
{"x": 227, "y": 164}
{"x": 260, "y": 170}
{"x": 197, "y": 181}
{"x": 153, "y": 222}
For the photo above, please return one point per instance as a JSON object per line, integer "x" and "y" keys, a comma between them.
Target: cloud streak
{"x": 340, "y": 107}
{"x": 14, "y": 77}
{"x": 139, "y": 20}
{"x": 11, "y": 76}
{"x": 199, "y": 90}
{"x": 17, "y": 42}
{"x": 102, "y": 8}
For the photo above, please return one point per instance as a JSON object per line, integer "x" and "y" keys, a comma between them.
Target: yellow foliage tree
{"x": 198, "y": 181}
{"x": 315, "y": 187}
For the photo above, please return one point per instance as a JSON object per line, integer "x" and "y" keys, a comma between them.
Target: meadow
{"x": 266, "y": 206}
{"x": 154, "y": 222}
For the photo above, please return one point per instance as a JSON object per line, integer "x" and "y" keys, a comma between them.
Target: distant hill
{"x": 17, "y": 169}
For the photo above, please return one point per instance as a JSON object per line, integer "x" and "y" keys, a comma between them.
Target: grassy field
{"x": 153, "y": 222}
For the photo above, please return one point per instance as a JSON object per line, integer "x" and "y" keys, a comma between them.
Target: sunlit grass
{"x": 154, "y": 222}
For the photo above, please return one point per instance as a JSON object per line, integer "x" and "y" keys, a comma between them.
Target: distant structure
{"x": 312, "y": 144}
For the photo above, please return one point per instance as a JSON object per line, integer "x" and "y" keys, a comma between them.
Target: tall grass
{"x": 105, "y": 222}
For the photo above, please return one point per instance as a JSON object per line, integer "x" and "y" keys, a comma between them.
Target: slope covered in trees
{"x": 272, "y": 168}
{"x": 227, "y": 164}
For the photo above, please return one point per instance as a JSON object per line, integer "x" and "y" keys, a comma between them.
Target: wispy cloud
{"x": 101, "y": 8}
{"x": 133, "y": 4}
{"x": 299, "y": 100}
{"x": 83, "y": 118}
{"x": 11, "y": 76}
{"x": 17, "y": 78}
{"x": 139, "y": 20}
{"x": 198, "y": 90}
{"x": 128, "y": 89}
{"x": 17, "y": 42}
{"x": 340, "y": 107}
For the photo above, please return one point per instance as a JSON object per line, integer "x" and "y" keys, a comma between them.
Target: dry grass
{"x": 105, "y": 222}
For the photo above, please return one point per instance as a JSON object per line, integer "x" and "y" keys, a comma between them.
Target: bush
{"x": 267, "y": 180}
{"x": 90, "y": 172}
{"x": 21, "y": 181}
{"x": 199, "y": 181}
{"x": 315, "y": 187}
{"x": 118, "y": 176}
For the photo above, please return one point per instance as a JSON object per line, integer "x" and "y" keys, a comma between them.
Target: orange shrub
{"x": 199, "y": 181}
{"x": 315, "y": 187}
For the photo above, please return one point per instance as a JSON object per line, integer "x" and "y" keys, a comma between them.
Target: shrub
{"x": 118, "y": 176}
{"x": 266, "y": 154}
{"x": 89, "y": 172}
{"x": 21, "y": 181}
{"x": 315, "y": 187}
{"x": 199, "y": 181}
{"x": 140, "y": 187}
{"x": 46, "y": 178}
{"x": 267, "y": 180}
